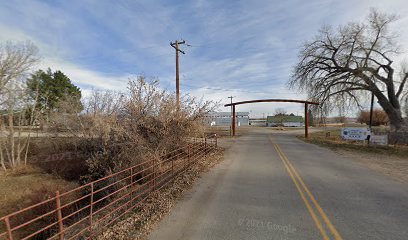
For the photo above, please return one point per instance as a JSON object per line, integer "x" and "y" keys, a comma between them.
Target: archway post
{"x": 233, "y": 121}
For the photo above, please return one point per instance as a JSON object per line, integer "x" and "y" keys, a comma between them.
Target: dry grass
{"x": 393, "y": 166}
{"x": 20, "y": 187}
{"x": 389, "y": 160}
{"x": 335, "y": 142}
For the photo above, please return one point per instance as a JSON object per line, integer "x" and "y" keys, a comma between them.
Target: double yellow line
{"x": 307, "y": 197}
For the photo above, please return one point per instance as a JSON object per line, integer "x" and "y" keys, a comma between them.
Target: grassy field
{"x": 333, "y": 140}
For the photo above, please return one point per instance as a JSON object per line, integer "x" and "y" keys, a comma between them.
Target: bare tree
{"x": 343, "y": 66}
{"x": 280, "y": 112}
{"x": 15, "y": 104}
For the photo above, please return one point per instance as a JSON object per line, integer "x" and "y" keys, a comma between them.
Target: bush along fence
{"x": 398, "y": 138}
{"x": 84, "y": 212}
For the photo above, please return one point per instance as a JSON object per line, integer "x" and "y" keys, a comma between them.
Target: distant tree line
{"x": 379, "y": 117}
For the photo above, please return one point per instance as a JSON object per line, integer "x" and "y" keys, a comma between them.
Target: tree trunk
{"x": 397, "y": 122}
{"x": 3, "y": 165}
{"x": 11, "y": 136}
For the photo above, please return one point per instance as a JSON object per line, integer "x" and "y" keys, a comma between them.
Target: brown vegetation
{"x": 157, "y": 206}
{"x": 379, "y": 117}
{"x": 120, "y": 129}
{"x": 116, "y": 131}
{"x": 333, "y": 140}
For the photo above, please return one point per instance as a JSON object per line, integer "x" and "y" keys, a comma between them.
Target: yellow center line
{"x": 312, "y": 198}
{"x": 319, "y": 208}
{"x": 309, "y": 208}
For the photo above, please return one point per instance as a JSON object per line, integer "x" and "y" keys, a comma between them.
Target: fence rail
{"x": 85, "y": 211}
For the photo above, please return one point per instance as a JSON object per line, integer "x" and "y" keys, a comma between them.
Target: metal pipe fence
{"x": 86, "y": 211}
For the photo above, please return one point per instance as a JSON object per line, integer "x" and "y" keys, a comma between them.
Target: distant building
{"x": 225, "y": 119}
{"x": 285, "y": 121}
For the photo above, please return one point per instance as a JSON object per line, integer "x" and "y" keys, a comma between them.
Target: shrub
{"x": 123, "y": 129}
{"x": 379, "y": 117}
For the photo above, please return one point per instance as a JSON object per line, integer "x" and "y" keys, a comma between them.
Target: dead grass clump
{"x": 28, "y": 196}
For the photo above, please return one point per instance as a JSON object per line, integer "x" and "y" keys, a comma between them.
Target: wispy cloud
{"x": 240, "y": 48}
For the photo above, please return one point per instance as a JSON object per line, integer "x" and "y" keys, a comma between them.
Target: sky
{"x": 246, "y": 49}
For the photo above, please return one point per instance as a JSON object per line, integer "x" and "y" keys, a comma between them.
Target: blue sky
{"x": 240, "y": 48}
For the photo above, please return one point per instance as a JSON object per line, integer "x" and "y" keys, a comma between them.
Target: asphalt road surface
{"x": 274, "y": 186}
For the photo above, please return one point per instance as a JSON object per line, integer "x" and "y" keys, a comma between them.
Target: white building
{"x": 225, "y": 119}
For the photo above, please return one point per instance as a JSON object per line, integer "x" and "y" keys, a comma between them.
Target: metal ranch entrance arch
{"x": 273, "y": 100}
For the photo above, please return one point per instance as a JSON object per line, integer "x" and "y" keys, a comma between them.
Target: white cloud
{"x": 242, "y": 48}
{"x": 87, "y": 78}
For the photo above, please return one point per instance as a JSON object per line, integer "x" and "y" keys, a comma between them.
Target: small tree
{"x": 15, "y": 102}
{"x": 53, "y": 90}
{"x": 311, "y": 119}
{"x": 280, "y": 112}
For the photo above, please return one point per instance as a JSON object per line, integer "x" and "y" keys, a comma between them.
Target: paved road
{"x": 274, "y": 186}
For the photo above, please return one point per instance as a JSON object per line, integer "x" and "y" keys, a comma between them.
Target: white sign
{"x": 379, "y": 139}
{"x": 355, "y": 133}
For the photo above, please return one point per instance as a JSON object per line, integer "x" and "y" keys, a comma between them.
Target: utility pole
{"x": 232, "y": 117}
{"x": 371, "y": 110}
{"x": 175, "y": 45}
{"x": 371, "y": 115}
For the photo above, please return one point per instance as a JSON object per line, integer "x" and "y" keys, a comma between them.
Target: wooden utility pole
{"x": 175, "y": 45}
{"x": 232, "y": 118}
{"x": 306, "y": 121}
